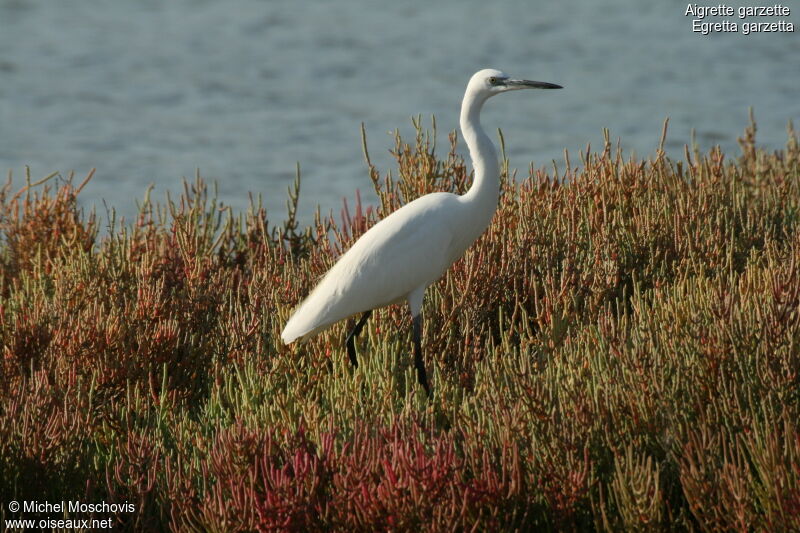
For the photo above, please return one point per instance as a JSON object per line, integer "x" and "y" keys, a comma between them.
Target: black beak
{"x": 528, "y": 84}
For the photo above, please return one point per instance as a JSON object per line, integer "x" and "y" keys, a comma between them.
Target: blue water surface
{"x": 148, "y": 92}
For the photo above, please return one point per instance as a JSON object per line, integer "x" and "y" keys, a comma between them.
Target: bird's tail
{"x": 306, "y": 321}
{"x": 293, "y": 329}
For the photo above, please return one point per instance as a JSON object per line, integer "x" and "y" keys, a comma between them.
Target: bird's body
{"x": 399, "y": 257}
{"x": 423, "y": 236}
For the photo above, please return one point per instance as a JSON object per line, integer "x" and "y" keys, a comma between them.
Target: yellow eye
{"x": 493, "y": 80}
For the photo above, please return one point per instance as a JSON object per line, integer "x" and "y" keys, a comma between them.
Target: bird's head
{"x": 488, "y": 82}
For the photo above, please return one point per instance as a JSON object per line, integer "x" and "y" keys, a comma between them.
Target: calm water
{"x": 149, "y": 91}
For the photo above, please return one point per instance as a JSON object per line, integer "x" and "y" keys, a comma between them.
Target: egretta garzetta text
{"x": 400, "y": 256}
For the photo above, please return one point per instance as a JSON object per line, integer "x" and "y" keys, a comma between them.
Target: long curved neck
{"x": 483, "y": 195}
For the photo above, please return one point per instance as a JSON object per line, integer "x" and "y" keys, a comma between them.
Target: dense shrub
{"x": 620, "y": 350}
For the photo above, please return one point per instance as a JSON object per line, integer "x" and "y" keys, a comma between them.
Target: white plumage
{"x": 399, "y": 257}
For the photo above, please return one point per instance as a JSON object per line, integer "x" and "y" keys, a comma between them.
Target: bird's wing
{"x": 407, "y": 250}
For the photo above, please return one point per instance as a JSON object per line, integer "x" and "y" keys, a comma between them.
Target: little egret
{"x": 399, "y": 257}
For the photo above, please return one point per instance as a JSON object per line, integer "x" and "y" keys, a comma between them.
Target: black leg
{"x": 422, "y": 376}
{"x": 351, "y": 338}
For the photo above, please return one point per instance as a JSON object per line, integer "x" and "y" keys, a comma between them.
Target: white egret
{"x": 399, "y": 257}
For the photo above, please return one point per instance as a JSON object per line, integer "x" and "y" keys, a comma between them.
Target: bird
{"x": 411, "y": 248}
